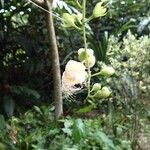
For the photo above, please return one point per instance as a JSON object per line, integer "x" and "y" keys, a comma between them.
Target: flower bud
{"x": 103, "y": 93}
{"x": 97, "y": 95}
{"x": 90, "y": 61}
{"x": 96, "y": 87}
{"x": 82, "y": 53}
{"x": 107, "y": 71}
{"x": 69, "y": 20}
{"x": 99, "y": 10}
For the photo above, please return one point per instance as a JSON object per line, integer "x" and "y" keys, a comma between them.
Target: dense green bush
{"x": 130, "y": 58}
{"x": 37, "y": 129}
{"x": 24, "y": 57}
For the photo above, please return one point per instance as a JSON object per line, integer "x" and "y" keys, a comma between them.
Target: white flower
{"x": 74, "y": 74}
{"x": 75, "y": 66}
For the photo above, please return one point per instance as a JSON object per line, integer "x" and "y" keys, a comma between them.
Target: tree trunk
{"x": 55, "y": 61}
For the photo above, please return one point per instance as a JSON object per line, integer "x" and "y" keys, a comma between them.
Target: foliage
{"x": 122, "y": 15}
{"x": 130, "y": 58}
{"x": 25, "y": 76}
{"x": 24, "y": 57}
{"x": 36, "y": 129}
{"x": 25, "y": 65}
{"x": 130, "y": 85}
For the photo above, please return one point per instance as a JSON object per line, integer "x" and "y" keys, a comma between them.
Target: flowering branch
{"x": 75, "y": 72}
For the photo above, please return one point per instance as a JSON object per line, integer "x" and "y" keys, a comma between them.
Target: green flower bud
{"x": 103, "y": 93}
{"x": 69, "y": 20}
{"x": 82, "y": 53}
{"x": 107, "y": 71}
{"x": 97, "y": 95}
{"x": 99, "y": 10}
{"x": 96, "y": 87}
{"x": 90, "y": 61}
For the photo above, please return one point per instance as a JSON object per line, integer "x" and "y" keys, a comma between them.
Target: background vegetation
{"x": 120, "y": 39}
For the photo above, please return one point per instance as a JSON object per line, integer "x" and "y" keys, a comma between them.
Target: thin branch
{"x": 38, "y": 2}
{"x": 41, "y": 6}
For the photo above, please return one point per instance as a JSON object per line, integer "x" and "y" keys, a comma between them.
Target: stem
{"x": 96, "y": 74}
{"x": 55, "y": 61}
{"x": 85, "y": 46}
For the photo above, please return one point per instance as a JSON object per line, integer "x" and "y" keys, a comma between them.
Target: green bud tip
{"x": 99, "y": 10}
{"x": 96, "y": 87}
{"x": 107, "y": 71}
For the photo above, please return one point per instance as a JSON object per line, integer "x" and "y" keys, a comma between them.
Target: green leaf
{"x": 2, "y": 126}
{"x": 86, "y": 109}
{"x": 38, "y": 109}
{"x": 107, "y": 143}
{"x": 78, "y": 130}
{"x": 67, "y": 127}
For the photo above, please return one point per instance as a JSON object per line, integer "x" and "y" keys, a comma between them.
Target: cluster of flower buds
{"x": 71, "y": 20}
{"x": 74, "y": 20}
{"x": 100, "y": 92}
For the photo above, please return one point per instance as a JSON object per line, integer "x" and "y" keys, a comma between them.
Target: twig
{"x": 38, "y": 2}
{"x": 41, "y": 6}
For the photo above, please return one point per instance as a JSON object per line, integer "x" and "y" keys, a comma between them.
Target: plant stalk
{"x": 85, "y": 45}
{"x": 95, "y": 74}
{"x": 57, "y": 95}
